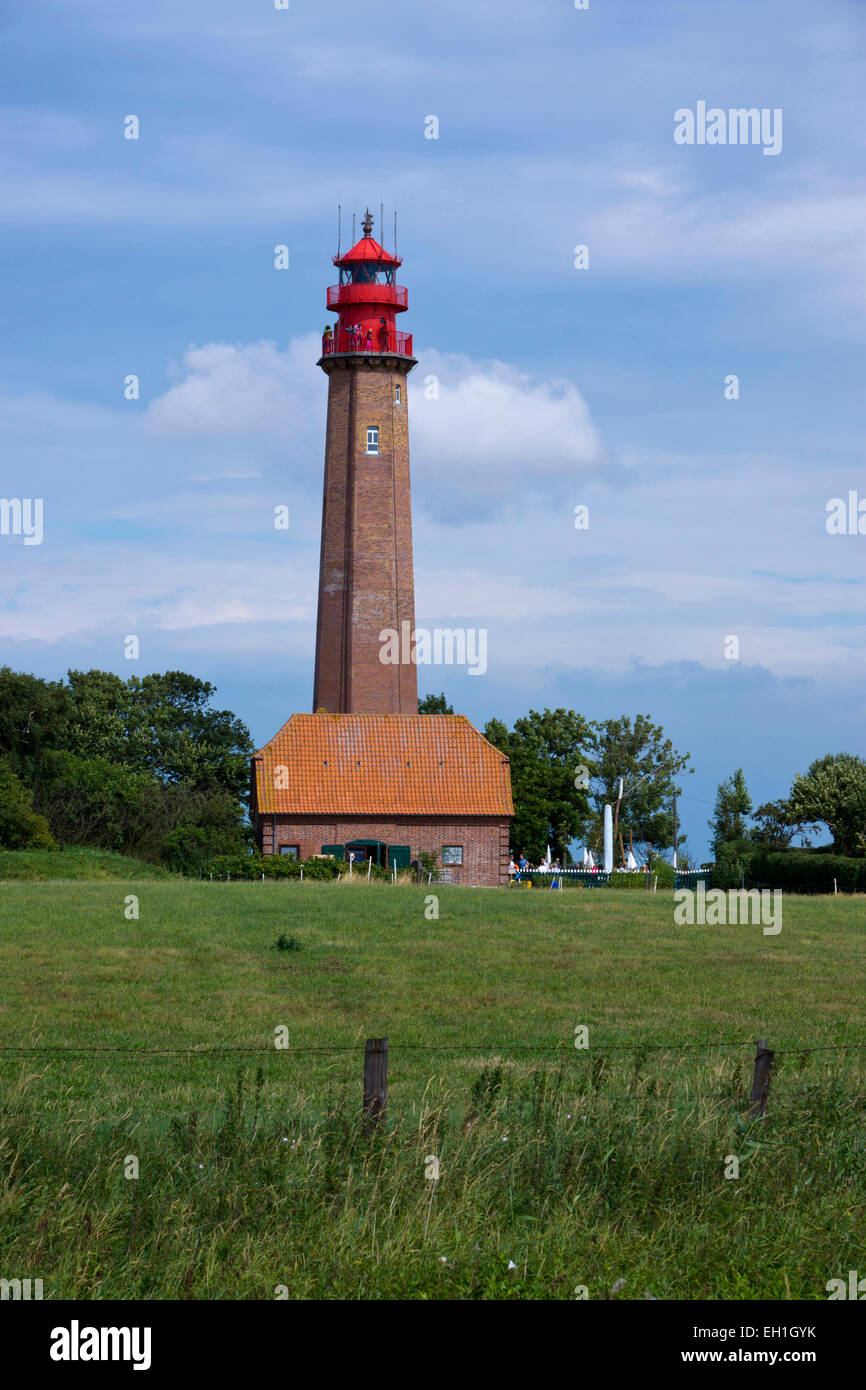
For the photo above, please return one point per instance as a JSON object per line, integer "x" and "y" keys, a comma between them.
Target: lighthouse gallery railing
{"x": 382, "y": 339}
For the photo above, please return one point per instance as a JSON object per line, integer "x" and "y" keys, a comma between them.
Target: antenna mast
{"x": 395, "y": 234}
{"x": 339, "y": 229}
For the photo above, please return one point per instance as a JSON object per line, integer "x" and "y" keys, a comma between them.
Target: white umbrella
{"x": 585, "y": 857}
{"x": 548, "y": 858}
{"x": 631, "y": 862}
{"x": 590, "y": 862}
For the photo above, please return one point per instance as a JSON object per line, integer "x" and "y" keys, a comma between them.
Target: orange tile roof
{"x": 382, "y": 764}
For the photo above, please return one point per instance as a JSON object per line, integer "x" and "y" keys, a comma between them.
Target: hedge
{"x": 801, "y": 872}
{"x": 271, "y": 865}
{"x": 633, "y": 881}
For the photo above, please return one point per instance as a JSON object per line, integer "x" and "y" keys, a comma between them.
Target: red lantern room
{"x": 367, "y": 299}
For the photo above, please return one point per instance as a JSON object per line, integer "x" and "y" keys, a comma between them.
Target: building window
{"x": 452, "y": 854}
{"x": 398, "y": 399}
{"x": 372, "y": 439}
{"x": 293, "y": 851}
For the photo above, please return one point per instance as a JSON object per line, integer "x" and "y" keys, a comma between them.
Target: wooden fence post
{"x": 375, "y": 1082}
{"x": 761, "y": 1080}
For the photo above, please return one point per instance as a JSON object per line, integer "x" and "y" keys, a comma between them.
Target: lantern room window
{"x": 367, "y": 273}
{"x": 372, "y": 439}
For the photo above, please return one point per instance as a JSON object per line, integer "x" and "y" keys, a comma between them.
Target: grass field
{"x": 578, "y": 1167}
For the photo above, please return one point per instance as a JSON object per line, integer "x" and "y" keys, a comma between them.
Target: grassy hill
{"x": 581, "y": 1167}
{"x": 37, "y": 865}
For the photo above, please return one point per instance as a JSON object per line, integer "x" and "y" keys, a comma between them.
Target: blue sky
{"x": 558, "y": 387}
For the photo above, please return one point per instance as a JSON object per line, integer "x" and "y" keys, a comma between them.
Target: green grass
{"x": 74, "y": 862}
{"x": 580, "y": 1167}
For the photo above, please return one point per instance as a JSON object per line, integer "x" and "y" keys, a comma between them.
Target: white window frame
{"x": 373, "y": 439}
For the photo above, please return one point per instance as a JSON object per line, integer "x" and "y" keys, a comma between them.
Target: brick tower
{"x": 366, "y": 582}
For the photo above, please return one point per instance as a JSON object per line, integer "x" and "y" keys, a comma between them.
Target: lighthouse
{"x": 365, "y": 777}
{"x": 366, "y": 585}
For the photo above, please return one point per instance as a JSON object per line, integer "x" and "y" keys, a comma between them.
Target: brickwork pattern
{"x": 366, "y": 580}
{"x": 485, "y": 841}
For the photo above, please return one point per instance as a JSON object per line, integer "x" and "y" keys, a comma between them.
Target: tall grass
{"x": 577, "y": 1174}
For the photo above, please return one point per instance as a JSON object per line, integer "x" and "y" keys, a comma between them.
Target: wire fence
{"x": 257, "y": 1049}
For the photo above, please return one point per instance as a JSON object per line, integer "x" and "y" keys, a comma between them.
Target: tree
{"x": 833, "y": 793}
{"x": 33, "y": 717}
{"x": 733, "y": 805}
{"x": 773, "y": 827}
{"x": 648, "y": 763}
{"x": 160, "y": 724}
{"x": 435, "y": 704}
{"x": 143, "y": 765}
{"x": 547, "y": 752}
{"x": 20, "y": 826}
{"x": 91, "y": 801}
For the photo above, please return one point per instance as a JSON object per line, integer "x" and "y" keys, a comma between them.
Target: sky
{"x": 597, "y": 380}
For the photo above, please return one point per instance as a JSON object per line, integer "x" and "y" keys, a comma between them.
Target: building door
{"x": 367, "y": 849}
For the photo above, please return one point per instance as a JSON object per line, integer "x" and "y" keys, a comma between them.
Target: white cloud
{"x": 495, "y": 435}
{"x": 491, "y": 436}
{"x": 244, "y": 389}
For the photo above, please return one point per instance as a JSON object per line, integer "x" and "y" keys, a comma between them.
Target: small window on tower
{"x": 372, "y": 439}
{"x": 398, "y": 399}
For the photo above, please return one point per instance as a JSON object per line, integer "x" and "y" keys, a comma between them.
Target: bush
{"x": 323, "y": 868}
{"x": 91, "y": 801}
{"x": 188, "y": 848}
{"x": 251, "y": 866}
{"x": 733, "y": 863}
{"x": 94, "y": 802}
{"x": 20, "y": 826}
{"x": 798, "y": 871}
{"x": 633, "y": 881}
{"x": 665, "y": 872}
{"x": 429, "y": 861}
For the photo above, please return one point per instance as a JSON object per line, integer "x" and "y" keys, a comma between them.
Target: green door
{"x": 401, "y": 855}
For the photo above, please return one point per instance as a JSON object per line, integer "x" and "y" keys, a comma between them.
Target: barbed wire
{"x": 680, "y": 1049}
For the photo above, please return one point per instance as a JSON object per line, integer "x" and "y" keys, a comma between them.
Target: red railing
{"x": 395, "y": 295}
{"x": 379, "y": 340}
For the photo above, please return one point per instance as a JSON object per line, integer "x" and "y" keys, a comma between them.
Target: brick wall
{"x": 366, "y": 580}
{"x": 485, "y": 841}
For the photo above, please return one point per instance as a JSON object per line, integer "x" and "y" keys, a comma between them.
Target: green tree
{"x": 144, "y": 765}
{"x": 773, "y": 828}
{"x": 733, "y": 806}
{"x": 161, "y": 724}
{"x": 833, "y": 793}
{"x": 33, "y": 717}
{"x": 547, "y": 753}
{"x": 20, "y": 826}
{"x": 435, "y": 704}
{"x": 91, "y": 801}
{"x": 638, "y": 752}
